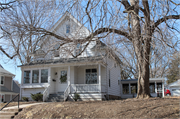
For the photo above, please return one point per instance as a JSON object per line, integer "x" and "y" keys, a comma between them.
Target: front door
{"x": 62, "y": 82}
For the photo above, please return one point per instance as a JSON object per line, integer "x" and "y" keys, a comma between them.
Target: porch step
{"x": 58, "y": 97}
{"x": 9, "y": 113}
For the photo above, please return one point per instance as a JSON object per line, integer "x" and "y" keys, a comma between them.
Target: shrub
{"x": 76, "y": 96}
{"x": 25, "y": 99}
{"x": 37, "y": 96}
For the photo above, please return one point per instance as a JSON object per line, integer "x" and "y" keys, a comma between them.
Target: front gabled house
{"x": 94, "y": 75}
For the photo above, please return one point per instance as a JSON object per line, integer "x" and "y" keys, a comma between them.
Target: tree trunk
{"x": 142, "y": 50}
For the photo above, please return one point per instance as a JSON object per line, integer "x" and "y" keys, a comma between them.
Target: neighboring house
{"x": 94, "y": 75}
{"x": 8, "y": 88}
{"x": 129, "y": 87}
{"x": 175, "y": 88}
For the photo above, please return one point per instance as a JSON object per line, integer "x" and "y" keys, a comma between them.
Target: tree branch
{"x": 159, "y": 21}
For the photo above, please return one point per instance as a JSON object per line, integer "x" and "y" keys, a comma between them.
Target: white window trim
{"x": 31, "y": 70}
{"x": 3, "y": 80}
{"x": 94, "y": 67}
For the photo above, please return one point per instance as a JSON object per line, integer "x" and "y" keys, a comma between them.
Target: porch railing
{"x": 82, "y": 88}
{"x": 11, "y": 101}
{"x": 66, "y": 92}
{"x": 46, "y": 93}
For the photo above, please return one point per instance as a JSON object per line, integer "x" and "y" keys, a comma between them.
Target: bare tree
{"x": 134, "y": 23}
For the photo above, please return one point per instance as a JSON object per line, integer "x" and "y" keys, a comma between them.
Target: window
{"x": 133, "y": 88}
{"x": 173, "y": 89}
{"x": 44, "y": 75}
{"x": 27, "y": 75}
{"x": 91, "y": 76}
{"x": 125, "y": 88}
{"x": 1, "y": 98}
{"x": 35, "y": 76}
{"x": 67, "y": 28}
{"x": 152, "y": 87}
{"x": 63, "y": 77}
{"x": 78, "y": 49}
{"x": 2, "y": 80}
{"x": 159, "y": 86}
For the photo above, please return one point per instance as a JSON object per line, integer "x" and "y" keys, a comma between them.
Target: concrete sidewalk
{"x": 22, "y": 106}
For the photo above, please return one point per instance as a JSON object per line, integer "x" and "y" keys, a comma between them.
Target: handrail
{"x": 46, "y": 93}
{"x": 11, "y": 101}
{"x": 66, "y": 92}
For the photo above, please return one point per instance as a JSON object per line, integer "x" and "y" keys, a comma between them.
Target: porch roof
{"x": 136, "y": 80}
{"x": 65, "y": 60}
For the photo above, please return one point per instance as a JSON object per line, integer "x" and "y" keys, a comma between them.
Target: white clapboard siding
{"x": 26, "y": 92}
{"x": 114, "y": 88}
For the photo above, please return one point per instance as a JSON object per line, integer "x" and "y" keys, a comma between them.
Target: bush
{"x": 25, "y": 99}
{"x": 37, "y": 96}
{"x": 76, "y": 96}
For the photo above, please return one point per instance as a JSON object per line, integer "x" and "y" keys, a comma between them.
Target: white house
{"x": 129, "y": 87}
{"x": 93, "y": 75}
{"x": 174, "y": 88}
{"x": 8, "y": 88}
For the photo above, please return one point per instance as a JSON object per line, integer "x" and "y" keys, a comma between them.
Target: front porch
{"x": 82, "y": 79}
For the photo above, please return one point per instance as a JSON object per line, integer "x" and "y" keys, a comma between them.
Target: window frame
{"x": 68, "y": 27}
{"x": 150, "y": 88}
{"x": 29, "y": 77}
{"x": 134, "y": 84}
{"x": 91, "y": 74}
{"x": 1, "y": 79}
{"x": 39, "y": 76}
{"x": 126, "y": 88}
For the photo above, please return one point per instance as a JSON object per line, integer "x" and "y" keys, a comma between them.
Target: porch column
{"x": 129, "y": 88}
{"x": 68, "y": 76}
{"x": 99, "y": 78}
{"x": 155, "y": 87}
{"x": 49, "y": 76}
{"x": 162, "y": 89}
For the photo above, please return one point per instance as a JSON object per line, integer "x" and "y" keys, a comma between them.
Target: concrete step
{"x": 12, "y": 110}
{"x": 6, "y": 116}
{"x": 8, "y": 113}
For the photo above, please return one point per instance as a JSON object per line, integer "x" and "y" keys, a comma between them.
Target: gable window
{"x": 2, "y": 80}
{"x": 68, "y": 28}
{"x": 44, "y": 76}
{"x": 91, "y": 76}
{"x": 27, "y": 75}
{"x": 125, "y": 88}
{"x": 78, "y": 49}
{"x": 35, "y": 76}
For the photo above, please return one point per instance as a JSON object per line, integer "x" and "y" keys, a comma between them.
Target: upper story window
{"x": 68, "y": 28}
{"x": 2, "y": 80}
{"x": 27, "y": 75}
{"x": 78, "y": 49}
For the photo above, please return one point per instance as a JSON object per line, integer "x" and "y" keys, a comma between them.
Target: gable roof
{"x": 67, "y": 14}
{"x": 5, "y": 72}
{"x": 176, "y": 83}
